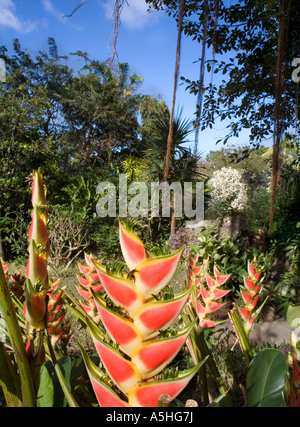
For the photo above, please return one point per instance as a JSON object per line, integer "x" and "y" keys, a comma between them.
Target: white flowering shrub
{"x": 228, "y": 192}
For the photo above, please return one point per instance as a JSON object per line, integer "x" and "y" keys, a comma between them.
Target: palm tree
{"x": 183, "y": 165}
{"x": 156, "y": 141}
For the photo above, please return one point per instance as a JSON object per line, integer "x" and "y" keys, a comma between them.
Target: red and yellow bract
{"x": 44, "y": 301}
{"x": 137, "y": 346}
{"x": 250, "y": 292}
{"x": 206, "y": 291}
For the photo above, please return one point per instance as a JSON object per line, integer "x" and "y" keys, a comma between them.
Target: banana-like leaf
{"x": 153, "y": 274}
{"x": 132, "y": 247}
{"x": 159, "y": 315}
{"x": 266, "y": 379}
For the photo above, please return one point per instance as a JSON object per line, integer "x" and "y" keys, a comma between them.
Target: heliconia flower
{"x": 294, "y": 360}
{"x": 153, "y": 274}
{"x": 122, "y": 292}
{"x": 38, "y": 230}
{"x": 34, "y": 307}
{"x": 88, "y": 284}
{"x": 246, "y": 313}
{"x": 16, "y": 285}
{"x": 36, "y": 270}
{"x": 56, "y": 313}
{"x": 295, "y": 342}
{"x": 253, "y": 273}
{"x": 106, "y": 397}
{"x": 294, "y": 399}
{"x": 29, "y": 350}
{"x": 146, "y": 394}
{"x": 136, "y": 315}
{"x": 193, "y": 260}
{"x": 122, "y": 371}
{"x": 151, "y": 357}
{"x": 121, "y": 330}
{"x": 206, "y": 294}
{"x": 296, "y": 371}
{"x": 90, "y": 311}
{"x": 250, "y": 296}
{"x": 4, "y": 266}
{"x": 159, "y": 315}
{"x": 132, "y": 247}
{"x": 38, "y": 191}
{"x": 295, "y": 383}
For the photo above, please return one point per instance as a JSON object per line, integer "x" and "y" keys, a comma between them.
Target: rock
{"x": 236, "y": 224}
{"x": 276, "y": 332}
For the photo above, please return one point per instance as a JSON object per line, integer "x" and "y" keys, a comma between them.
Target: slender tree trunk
{"x": 278, "y": 112}
{"x": 178, "y": 51}
{"x": 1, "y": 247}
{"x": 173, "y": 223}
{"x": 201, "y": 78}
{"x": 171, "y": 125}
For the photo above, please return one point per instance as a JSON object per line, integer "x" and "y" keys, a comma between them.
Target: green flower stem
{"x": 197, "y": 357}
{"x": 242, "y": 335}
{"x": 202, "y": 345}
{"x": 9, "y": 314}
{"x": 68, "y": 394}
{"x": 9, "y": 380}
{"x": 197, "y": 338}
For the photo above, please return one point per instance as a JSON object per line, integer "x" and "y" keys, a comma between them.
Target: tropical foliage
{"x": 137, "y": 325}
{"x": 144, "y": 325}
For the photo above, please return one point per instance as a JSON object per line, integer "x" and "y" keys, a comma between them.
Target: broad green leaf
{"x": 65, "y": 366}
{"x": 45, "y": 396}
{"x": 265, "y": 379}
{"x": 9, "y": 380}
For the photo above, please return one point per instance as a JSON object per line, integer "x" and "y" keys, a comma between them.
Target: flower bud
{"x": 38, "y": 191}
{"x": 35, "y": 307}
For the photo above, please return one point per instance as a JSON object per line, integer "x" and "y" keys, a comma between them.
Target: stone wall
{"x": 236, "y": 224}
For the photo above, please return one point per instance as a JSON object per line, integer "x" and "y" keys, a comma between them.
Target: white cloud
{"x": 134, "y": 14}
{"x": 48, "y": 6}
{"x": 9, "y": 18}
{"x": 60, "y": 16}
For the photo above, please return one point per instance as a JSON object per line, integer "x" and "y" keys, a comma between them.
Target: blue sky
{"x": 147, "y": 41}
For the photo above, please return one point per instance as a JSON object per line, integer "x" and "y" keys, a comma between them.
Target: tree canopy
{"x": 243, "y": 38}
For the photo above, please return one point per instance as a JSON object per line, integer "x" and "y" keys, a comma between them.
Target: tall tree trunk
{"x": 278, "y": 112}
{"x": 177, "y": 64}
{"x": 171, "y": 125}
{"x": 1, "y": 241}
{"x": 201, "y": 78}
{"x": 1, "y": 247}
